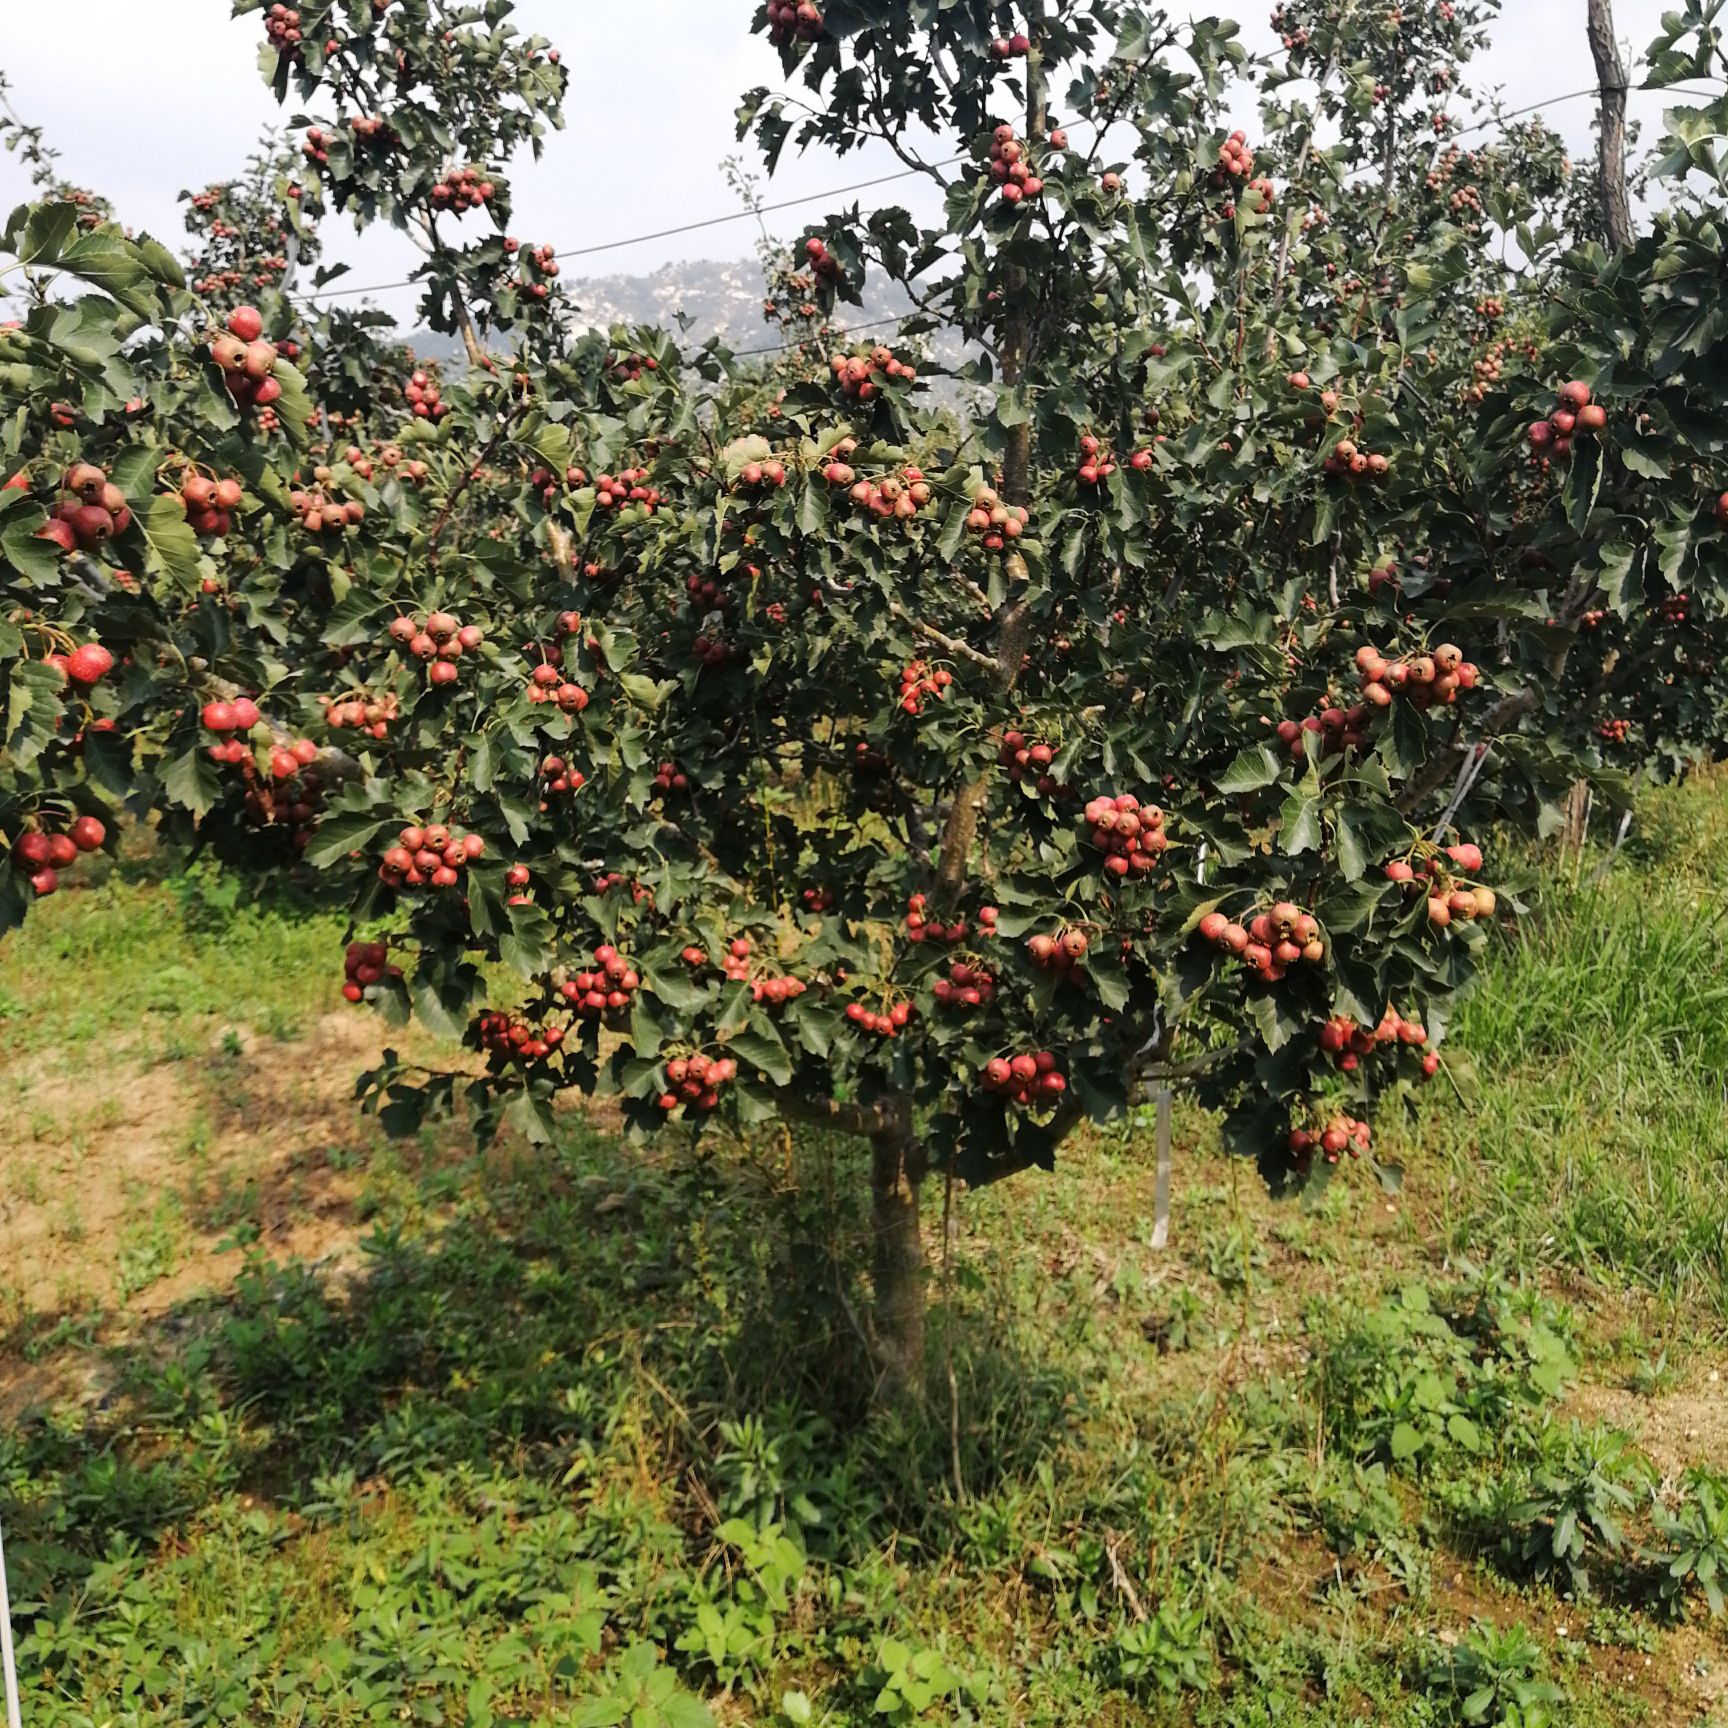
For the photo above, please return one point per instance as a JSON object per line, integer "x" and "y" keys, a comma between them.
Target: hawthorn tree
{"x": 805, "y": 749}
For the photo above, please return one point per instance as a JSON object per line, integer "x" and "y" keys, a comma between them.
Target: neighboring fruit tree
{"x": 802, "y": 746}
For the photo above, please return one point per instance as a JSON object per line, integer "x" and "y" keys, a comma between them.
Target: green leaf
{"x": 1254, "y": 768}
{"x": 1405, "y": 1443}
{"x": 682, "y": 994}
{"x": 1300, "y": 826}
{"x": 764, "y": 1051}
{"x": 339, "y": 835}
{"x": 1464, "y": 1432}
{"x": 190, "y": 779}
{"x": 106, "y": 261}
{"x": 173, "y": 545}
{"x": 527, "y": 946}
{"x": 441, "y": 1002}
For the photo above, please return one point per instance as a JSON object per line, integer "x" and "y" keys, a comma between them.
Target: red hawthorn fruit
{"x": 89, "y": 664}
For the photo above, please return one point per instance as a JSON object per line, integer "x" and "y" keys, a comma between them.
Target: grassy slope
{"x": 528, "y": 1422}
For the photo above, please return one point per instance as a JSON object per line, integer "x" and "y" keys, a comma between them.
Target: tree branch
{"x": 1611, "y": 158}
{"x": 870, "y": 1120}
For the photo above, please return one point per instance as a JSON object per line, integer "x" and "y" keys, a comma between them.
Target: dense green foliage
{"x": 804, "y": 748}
{"x": 564, "y": 1418}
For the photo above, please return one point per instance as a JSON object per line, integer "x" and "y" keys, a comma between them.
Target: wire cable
{"x": 743, "y": 215}
{"x": 759, "y": 210}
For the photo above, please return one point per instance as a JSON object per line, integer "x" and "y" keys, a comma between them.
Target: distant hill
{"x": 720, "y": 298}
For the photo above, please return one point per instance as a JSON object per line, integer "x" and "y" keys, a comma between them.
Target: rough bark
{"x": 1611, "y": 164}
{"x": 897, "y": 1169}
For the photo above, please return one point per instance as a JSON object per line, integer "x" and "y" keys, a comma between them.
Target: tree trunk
{"x": 896, "y": 1174}
{"x": 1611, "y": 78}
{"x": 1577, "y": 828}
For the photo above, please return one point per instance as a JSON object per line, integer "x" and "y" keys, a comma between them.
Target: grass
{"x": 581, "y": 1438}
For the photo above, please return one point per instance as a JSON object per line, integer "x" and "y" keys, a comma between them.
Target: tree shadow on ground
{"x": 699, "y": 1312}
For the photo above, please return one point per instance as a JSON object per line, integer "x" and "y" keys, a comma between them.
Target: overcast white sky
{"x": 653, "y": 88}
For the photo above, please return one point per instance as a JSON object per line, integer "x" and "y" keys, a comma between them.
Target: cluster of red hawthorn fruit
{"x": 1097, "y": 464}
{"x": 1270, "y": 943}
{"x": 1333, "y": 731}
{"x": 772, "y": 988}
{"x": 246, "y": 359}
{"x": 94, "y": 510}
{"x": 85, "y": 666}
{"x": 320, "y": 514}
{"x": 463, "y": 189}
{"x": 506, "y": 1039}
{"x": 293, "y": 797}
{"x": 607, "y": 989}
{"x": 1130, "y": 835}
{"x": 918, "y": 681}
{"x": 548, "y": 683}
{"x": 425, "y": 398}
{"x": 1010, "y": 170}
{"x": 544, "y": 260}
{"x": 439, "y": 639}
{"x": 210, "y": 504}
{"x": 968, "y": 985}
{"x": 1424, "y": 679}
{"x": 1341, "y": 1134}
{"x": 1347, "y": 1043}
{"x": 1027, "y": 759}
{"x": 558, "y": 777}
{"x": 669, "y": 777}
{"x": 900, "y": 495}
{"x": 1575, "y": 415}
{"x": 1012, "y": 47}
{"x": 993, "y": 521}
{"x": 1235, "y": 158}
{"x": 614, "y": 491}
{"x": 371, "y": 714}
{"x": 545, "y": 482}
{"x": 822, "y": 261}
{"x": 1293, "y": 35}
{"x": 1448, "y": 899}
{"x": 695, "y": 1081}
{"x": 364, "y": 965}
{"x": 1029, "y": 1079}
{"x": 1349, "y": 461}
{"x": 921, "y": 928}
{"x": 793, "y": 21}
{"x": 389, "y": 456}
{"x": 884, "y": 1025}
{"x": 282, "y": 27}
{"x": 1614, "y": 731}
{"x": 627, "y": 367}
{"x": 861, "y": 375}
{"x": 226, "y": 718}
{"x": 1063, "y": 955}
{"x": 754, "y": 475}
{"x": 613, "y": 882}
{"x": 44, "y": 857}
{"x": 433, "y": 856}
